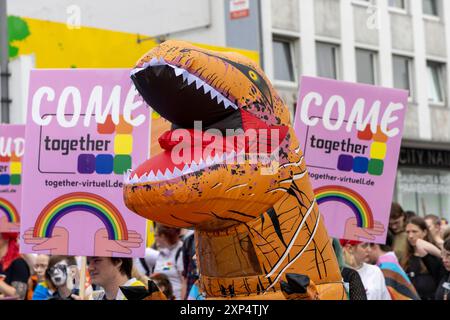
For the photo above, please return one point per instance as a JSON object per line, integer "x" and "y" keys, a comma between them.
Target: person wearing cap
{"x": 356, "y": 255}
{"x": 14, "y": 271}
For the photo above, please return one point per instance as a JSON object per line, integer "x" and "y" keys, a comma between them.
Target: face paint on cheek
{"x": 59, "y": 279}
{"x": 58, "y": 274}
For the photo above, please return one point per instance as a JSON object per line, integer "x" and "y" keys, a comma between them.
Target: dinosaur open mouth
{"x": 184, "y": 98}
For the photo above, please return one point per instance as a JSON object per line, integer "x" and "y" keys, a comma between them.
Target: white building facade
{"x": 392, "y": 43}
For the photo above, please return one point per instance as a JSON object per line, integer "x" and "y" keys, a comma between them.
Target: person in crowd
{"x": 443, "y": 289}
{"x": 398, "y": 283}
{"x": 190, "y": 270}
{"x": 14, "y": 270}
{"x": 110, "y": 274}
{"x": 397, "y": 221}
{"x": 409, "y": 215}
{"x": 62, "y": 276}
{"x": 355, "y": 254}
{"x": 195, "y": 293}
{"x": 170, "y": 257}
{"x": 422, "y": 261}
{"x": 446, "y": 234}
{"x": 41, "y": 290}
{"x": 434, "y": 226}
{"x": 163, "y": 283}
{"x": 138, "y": 275}
{"x": 352, "y": 281}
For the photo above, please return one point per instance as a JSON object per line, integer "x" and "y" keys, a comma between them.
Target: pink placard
{"x": 85, "y": 128}
{"x": 351, "y": 136}
{"x": 12, "y": 146}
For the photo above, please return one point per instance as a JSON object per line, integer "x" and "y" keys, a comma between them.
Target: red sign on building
{"x": 239, "y": 9}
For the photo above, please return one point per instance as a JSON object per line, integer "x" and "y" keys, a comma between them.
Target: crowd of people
{"x": 413, "y": 264}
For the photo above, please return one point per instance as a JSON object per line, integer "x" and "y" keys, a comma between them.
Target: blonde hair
{"x": 139, "y": 276}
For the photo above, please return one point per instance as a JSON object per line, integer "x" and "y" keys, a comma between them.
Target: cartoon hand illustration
{"x": 105, "y": 247}
{"x": 352, "y": 231}
{"x": 6, "y": 226}
{"x": 58, "y": 244}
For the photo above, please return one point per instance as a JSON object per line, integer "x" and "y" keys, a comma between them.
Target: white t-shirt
{"x": 165, "y": 263}
{"x": 374, "y": 282}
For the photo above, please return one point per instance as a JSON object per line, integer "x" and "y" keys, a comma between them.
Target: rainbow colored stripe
{"x": 9, "y": 210}
{"x": 81, "y": 202}
{"x": 350, "y": 198}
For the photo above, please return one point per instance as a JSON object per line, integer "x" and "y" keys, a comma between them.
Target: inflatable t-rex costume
{"x": 258, "y": 227}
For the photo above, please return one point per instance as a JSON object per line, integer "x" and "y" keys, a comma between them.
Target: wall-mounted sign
{"x": 239, "y": 9}
{"x": 426, "y": 158}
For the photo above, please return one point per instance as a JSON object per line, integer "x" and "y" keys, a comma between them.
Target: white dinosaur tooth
{"x": 209, "y": 161}
{"x": 136, "y": 70}
{"x": 178, "y": 71}
{"x": 191, "y": 79}
{"x": 213, "y": 93}
{"x": 207, "y": 88}
{"x": 185, "y": 169}
{"x": 217, "y": 159}
{"x": 220, "y": 99}
{"x": 168, "y": 174}
{"x": 162, "y": 62}
{"x": 227, "y": 103}
{"x": 143, "y": 178}
{"x": 151, "y": 176}
{"x": 185, "y": 76}
{"x": 154, "y": 61}
{"x": 194, "y": 166}
{"x": 199, "y": 83}
{"x": 177, "y": 173}
{"x": 135, "y": 179}
{"x": 159, "y": 176}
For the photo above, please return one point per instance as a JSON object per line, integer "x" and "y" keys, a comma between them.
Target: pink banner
{"x": 12, "y": 146}
{"x": 351, "y": 136}
{"x": 85, "y": 128}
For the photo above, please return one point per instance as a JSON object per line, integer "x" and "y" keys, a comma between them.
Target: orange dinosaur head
{"x": 231, "y": 153}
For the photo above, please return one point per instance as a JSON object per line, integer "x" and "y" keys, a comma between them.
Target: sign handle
{"x": 83, "y": 277}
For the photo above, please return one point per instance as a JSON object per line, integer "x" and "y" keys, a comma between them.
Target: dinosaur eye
{"x": 253, "y": 75}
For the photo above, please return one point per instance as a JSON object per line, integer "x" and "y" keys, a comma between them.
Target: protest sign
{"x": 351, "y": 136}
{"x": 12, "y": 146}
{"x": 86, "y": 128}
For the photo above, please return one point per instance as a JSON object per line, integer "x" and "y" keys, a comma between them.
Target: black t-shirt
{"x": 425, "y": 281}
{"x": 18, "y": 271}
{"x": 442, "y": 292}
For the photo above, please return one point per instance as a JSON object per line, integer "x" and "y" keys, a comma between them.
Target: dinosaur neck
{"x": 251, "y": 258}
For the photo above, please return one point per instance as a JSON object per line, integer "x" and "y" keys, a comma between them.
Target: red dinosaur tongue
{"x": 185, "y": 146}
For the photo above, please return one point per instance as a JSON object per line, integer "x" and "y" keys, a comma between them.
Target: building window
{"x": 283, "y": 55}
{"x": 430, "y": 7}
{"x": 400, "y": 4}
{"x": 435, "y": 82}
{"x": 366, "y": 64}
{"x": 403, "y": 73}
{"x": 424, "y": 191}
{"x": 327, "y": 60}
